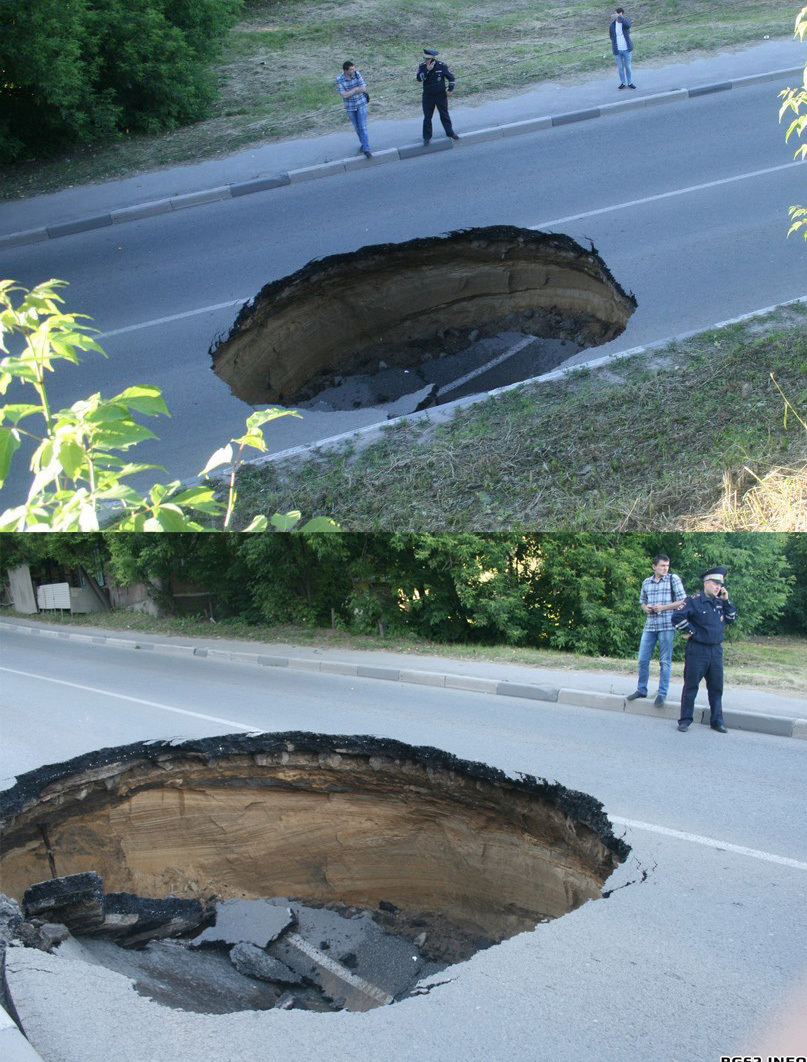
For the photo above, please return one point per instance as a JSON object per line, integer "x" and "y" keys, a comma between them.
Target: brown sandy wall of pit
{"x": 338, "y": 314}
{"x": 318, "y": 827}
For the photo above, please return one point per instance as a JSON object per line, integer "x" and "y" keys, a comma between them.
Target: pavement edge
{"x": 736, "y": 719}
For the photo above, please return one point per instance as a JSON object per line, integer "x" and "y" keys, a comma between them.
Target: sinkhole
{"x": 413, "y": 324}
{"x": 337, "y": 872}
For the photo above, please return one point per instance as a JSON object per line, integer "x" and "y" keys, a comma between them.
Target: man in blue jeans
{"x": 661, "y": 592}
{"x": 622, "y": 46}
{"x": 351, "y": 87}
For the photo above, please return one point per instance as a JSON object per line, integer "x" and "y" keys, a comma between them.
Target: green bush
{"x": 77, "y": 71}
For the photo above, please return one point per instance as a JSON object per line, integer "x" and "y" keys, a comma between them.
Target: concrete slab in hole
{"x": 254, "y": 921}
{"x": 351, "y": 958}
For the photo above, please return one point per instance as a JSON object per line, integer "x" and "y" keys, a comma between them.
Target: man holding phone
{"x": 438, "y": 84}
{"x": 702, "y": 620}
{"x": 622, "y": 46}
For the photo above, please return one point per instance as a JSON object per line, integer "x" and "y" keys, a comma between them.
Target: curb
{"x": 14, "y": 1046}
{"x": 780, "y": 726}
{"x": 340, "y": 166}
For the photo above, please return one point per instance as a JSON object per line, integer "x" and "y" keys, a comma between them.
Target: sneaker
{"x": 631, "y": 85}
{"x": 620, "y": 87}
{"x": 367, "y": 154}
{"x": 720, "y": 729}
{"x": 635, "y": 696}
{"x": 658, "y": 702}
{"x": 683, "y": 727}
{"x": 453, "y": 136}
{"x": 426, "y": 142}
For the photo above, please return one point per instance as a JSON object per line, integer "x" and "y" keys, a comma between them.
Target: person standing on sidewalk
{"x": 702, "y": 620}
{"x": 622, "y": 47}
{"x": 438, "y": 84}
{"x": 661, "y": 592}
{"x": 353, "y": 90}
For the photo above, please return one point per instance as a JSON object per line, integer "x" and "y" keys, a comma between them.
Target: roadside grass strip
{"x": 667, "y": 439}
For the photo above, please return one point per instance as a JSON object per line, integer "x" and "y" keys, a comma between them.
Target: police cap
{"x": 431, "y": 52}
{"x": 717, "y": 575}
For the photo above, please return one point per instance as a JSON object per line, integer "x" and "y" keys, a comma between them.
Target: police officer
{"x": 702, "y": 620}
{"x": 438, "y": 83}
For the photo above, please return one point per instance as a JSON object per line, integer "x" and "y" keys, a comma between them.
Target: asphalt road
{"x": 687, "y": 204}
{"x": 685, "y": 964}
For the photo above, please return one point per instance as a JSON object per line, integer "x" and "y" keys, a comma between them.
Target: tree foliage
{"x": 576, "y": 592}
{"x": 86, "y": 70}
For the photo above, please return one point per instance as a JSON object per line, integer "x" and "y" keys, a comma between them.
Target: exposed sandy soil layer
{"x": 353, "y": 820}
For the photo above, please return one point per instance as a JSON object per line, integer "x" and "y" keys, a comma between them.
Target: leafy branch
{"x": 80, "y": 478}
{"x": 794, "y": 100}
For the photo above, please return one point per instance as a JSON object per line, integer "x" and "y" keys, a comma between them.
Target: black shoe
{"x": 621, "y": 86}
{"x": 683, "y": 727}
{"x": 635, "y": 696}
{"x": 367, "y": 154}
{"x": 453, "y": 136}
{"x": 426, "y": 142}
{"x": 658, "y": 702}
{"x": 631, "y": 85}
{"x": 720, "y": 729}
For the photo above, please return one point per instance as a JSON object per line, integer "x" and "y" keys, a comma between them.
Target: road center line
{"x": 543, "y": 225}
{"x": 710, "y": 842}
{"x": 373, "y": 991}
{"x": 173, "y": 317}
{"x": 137, "y": 700}
{"x": 666, "y": 195}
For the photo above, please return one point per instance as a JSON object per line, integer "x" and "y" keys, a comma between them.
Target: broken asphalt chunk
{"x": 76, "y": 901}
{"x": 256, "y": 922}
{"x": 252, "y": 961}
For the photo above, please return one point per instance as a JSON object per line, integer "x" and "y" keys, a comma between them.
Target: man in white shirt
{"x": 622, "y": 46}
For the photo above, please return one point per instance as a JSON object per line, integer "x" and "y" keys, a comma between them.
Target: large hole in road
{"x": 358, "y": 864}
{"x": 424, "y": 322}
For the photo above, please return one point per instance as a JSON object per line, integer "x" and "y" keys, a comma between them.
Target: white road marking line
{"x": 338, "y": 970}
{"x": 542, "y": 225}
{"x": 138, "y": 700}
{"x": 173, "y": 317}
{"x": 710, "y": 842}
{"x": 665, "y": 195}
{"x": 489, "y": 365}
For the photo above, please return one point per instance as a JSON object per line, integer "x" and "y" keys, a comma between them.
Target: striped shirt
{"x": 659, "y": 592}
{"x": 344, "y": 83}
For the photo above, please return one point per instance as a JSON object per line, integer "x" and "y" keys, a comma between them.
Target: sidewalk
{"x": 744, "y": 708}
{"x": 283, "y": 162}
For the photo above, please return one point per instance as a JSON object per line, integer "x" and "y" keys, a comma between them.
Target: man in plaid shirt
{"x": 661, "y": 592}
{"x": 351, "y": 87}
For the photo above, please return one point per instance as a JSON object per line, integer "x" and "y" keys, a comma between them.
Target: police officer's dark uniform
{"x": 437, "y": 83}
{"x": 704, "y": 618}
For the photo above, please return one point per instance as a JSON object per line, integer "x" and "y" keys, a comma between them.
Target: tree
{"x": 79, "y": 477}
{"x": 90, "y": 70}
{"x": 795, "y": 101}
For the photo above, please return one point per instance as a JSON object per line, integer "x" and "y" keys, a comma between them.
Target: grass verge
{"x": 276, "y": 79}
{"x": 777, "y": 664}
{"x": 672, "y": 439}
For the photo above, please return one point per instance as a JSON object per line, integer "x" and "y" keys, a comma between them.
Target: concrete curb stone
{"x": 736, "y": 719}
{"x": 340, "y": 166}
{"x": 14, "y": 1047}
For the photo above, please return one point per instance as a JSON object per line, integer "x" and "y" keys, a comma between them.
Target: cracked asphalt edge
{"x": 763, "y": 723}
{"x": 397, "y": 154}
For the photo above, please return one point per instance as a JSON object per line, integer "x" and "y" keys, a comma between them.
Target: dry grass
{"x": 276, "y": 79}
